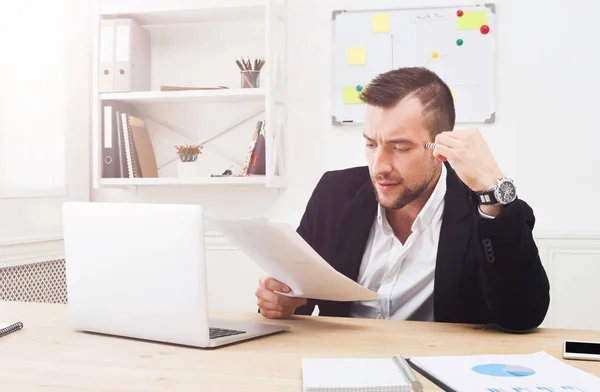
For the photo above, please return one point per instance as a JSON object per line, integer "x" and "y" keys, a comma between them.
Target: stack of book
{"x": 127, "y": 151}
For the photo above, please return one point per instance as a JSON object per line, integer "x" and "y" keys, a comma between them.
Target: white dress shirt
{"x": 403, "y": 275}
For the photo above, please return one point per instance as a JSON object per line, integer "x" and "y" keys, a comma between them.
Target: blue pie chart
{"x": 503, "y": 370}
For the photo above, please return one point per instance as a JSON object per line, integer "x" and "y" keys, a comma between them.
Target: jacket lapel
{"x": 349, "y": 242}
{"x": 453, "y": 243}
{"x": 353, "y": 232}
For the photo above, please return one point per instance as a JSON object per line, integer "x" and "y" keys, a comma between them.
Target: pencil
{"x": 250, "y": 65}
{"x": 239, "y": 65}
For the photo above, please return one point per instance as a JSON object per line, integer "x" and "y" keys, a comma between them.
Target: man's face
{"x": 401, "y": 167}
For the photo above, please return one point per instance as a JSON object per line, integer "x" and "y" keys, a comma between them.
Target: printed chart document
{"x": 505, "y": 373}
{"x": 285, "y": 256}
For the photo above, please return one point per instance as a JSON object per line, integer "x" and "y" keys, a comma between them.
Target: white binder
{"x": 132, "y": 56}
{"x": 106, "y": 64}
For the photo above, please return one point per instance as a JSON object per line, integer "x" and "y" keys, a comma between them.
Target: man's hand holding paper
{"x": 271, "y": 303}
{"x": 288, "y": 259}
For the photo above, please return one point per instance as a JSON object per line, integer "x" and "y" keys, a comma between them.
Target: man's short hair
{"x": 389, "y": 88}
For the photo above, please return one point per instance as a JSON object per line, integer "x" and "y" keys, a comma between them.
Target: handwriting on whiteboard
{"x": 428, "y": 16}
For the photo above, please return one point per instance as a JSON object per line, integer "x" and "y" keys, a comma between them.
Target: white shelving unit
{"x": 171, "y": 12}
{"x": 195, "y": 43}
{"x": 232, "y": 95}
{"x": 246, "y": 180}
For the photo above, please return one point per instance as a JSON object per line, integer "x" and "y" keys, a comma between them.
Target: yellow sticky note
{"x": 351, "y": 95}
{"x": 381, "y": 23}
{"x": 357, "y": 56}
{"x": 472, "y": 20}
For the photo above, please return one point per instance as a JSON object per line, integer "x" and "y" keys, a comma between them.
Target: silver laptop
{"x": 139, "y": 270}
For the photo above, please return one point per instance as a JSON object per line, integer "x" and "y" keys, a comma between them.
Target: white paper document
{"x": 507, "y": 373}
{"x": 285, "y": 256}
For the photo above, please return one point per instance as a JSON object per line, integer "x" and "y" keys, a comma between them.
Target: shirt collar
{"x": 432, "y": 205}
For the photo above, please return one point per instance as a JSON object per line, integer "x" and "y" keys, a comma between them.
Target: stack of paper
{"x": 348, "y": 374}
{"x": 505, "y": 373}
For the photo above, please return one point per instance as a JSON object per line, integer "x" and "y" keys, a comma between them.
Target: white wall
{"x": 32, "y": 147}
{"x": 44, "y": 115}
{"x": 31, "y": 117}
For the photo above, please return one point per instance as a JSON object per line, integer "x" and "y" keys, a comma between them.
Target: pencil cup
{"x": 250, "y": 79}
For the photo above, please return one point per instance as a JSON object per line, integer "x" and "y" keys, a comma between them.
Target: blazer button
{"x": 487, "y": 242}
{"x": 489, "y": 255}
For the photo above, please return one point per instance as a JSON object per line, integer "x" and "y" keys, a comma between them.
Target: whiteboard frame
{"x": 334, "y": 15}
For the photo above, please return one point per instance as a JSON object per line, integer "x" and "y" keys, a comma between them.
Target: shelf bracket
{"x": 195, "y": 138}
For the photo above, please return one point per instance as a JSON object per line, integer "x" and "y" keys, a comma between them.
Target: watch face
{"x": 506, "y": 192}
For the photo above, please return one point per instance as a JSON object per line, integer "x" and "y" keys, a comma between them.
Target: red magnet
{"x": 484, "y": 29}
{"x": 459, "y": 13}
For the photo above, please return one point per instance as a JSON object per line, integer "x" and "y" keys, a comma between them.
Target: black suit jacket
{"x": 488, "y": 271}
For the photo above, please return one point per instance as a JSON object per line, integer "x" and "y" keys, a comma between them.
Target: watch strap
{"x": 487, "y": 197}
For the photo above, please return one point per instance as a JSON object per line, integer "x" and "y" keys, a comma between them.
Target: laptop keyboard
{"x": 216, "y": 333}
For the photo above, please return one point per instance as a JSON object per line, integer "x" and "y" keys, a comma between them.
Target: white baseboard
{"x": 31, "y": 250}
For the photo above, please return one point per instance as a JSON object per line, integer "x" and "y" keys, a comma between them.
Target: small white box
{"x": 187, "y": 169}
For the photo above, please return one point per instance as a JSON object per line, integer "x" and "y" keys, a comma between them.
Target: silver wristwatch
{"x": 503, "y": 192}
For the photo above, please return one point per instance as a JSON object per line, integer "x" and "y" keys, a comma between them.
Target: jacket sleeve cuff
{"x": 486, "y": 216}
{"x": 507, "y": 224}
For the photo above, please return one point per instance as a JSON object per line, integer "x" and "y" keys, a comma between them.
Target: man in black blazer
{"x": 431, "y": 224}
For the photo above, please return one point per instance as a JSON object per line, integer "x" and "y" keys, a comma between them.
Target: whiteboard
{"x": 457, "y": 43}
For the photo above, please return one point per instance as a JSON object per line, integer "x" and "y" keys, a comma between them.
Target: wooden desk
{"x": 46, "y": 355}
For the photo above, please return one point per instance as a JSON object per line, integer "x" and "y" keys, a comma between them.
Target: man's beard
{"x": 408, "y": 195}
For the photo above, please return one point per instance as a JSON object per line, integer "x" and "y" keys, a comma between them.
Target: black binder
{"x": 114, "y": 164}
